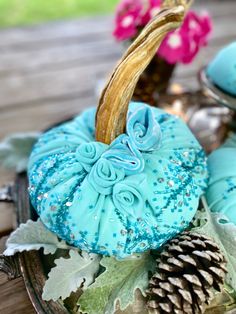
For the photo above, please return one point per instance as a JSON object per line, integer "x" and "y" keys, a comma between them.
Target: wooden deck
{"x": 50, "y": 72}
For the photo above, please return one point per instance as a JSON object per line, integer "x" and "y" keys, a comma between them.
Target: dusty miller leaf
{"x": 69, "y": 274}
{"x": 15, "y": 150}
{"x": 217, "y": 226}
{"x": 33, "y": 235}
{"x": 119, "y": 282}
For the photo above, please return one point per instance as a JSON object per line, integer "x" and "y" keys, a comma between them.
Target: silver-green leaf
{"x": 119, "y": 281}
{"x": 33, "y": 235}
{"x": 69, "y": 274}
{"x": 15, "y": 150}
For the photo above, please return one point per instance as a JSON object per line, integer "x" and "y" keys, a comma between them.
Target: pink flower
{"x": 184, "y": 44}
{"x": 179, "y": 46}
{"x": 172, "y": 48}
{"x": 150, "y": 9}
{"x": 127, "y": 19}
{"x": 131, "y": 15}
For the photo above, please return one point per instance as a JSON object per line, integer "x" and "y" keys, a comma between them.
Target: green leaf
{"x": 223, "y": 302}
{"x": 119, "y": 282}
{"x": 217, "y": 226}
{"x": 69, "y": 274}
{"x": 33, "y": 235}
{"x": 15, "y": 150}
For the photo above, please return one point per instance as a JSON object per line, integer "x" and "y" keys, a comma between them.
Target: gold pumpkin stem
{"x": 172, "y": 3}
{"x": 115, "y": 98}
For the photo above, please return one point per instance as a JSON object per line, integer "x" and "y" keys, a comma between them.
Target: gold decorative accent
{"x": 114, "y": 101}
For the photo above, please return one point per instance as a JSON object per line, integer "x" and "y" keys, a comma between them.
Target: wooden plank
{"x": 17, "y": 90}
{"x": 42, "y": 115}
{"x": 14, "y": 298}
{"x": 3, "y": 278}
{"x": 22, "y": 62}
{"x": 57, "y": 54}
{"x": 7, "y": 221}
{"x": 39, "y": 116}
{"x": 76, "y": 55}
{"x": 62, "y": 81}
{"x": 63, "y": 68}
{"x": 62, "y": 55}
{"x": 50, "y": 33}
{"x": 30, "y": 88}
{"x": 49, "y": 111}
{"x": 7, "y": 213}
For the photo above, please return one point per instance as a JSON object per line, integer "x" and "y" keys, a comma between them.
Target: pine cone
{"x": 190, "y": 267}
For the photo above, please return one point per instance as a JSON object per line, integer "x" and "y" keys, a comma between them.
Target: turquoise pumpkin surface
{"x": 221, "y": 194}
{"x": 123, "y": 198}
{"x": 222, "y": 69}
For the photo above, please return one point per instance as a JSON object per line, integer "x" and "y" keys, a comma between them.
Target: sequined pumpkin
{"x": 221, "y": 194}
{"x": 123, "y": 198}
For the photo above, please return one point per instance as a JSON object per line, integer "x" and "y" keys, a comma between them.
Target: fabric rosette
{"x": 143, "y": 130}
{"x": 88, "y": 153}
{"x": 124, "y": 154}
{"x": 143, "y": 134}
{"x": 104, "y": 175}
{"x": 129, "y": 197}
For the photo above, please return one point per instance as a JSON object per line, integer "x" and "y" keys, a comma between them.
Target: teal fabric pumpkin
{"x": 123, "y": 198}
{"x": 221, "y": 194}
{"x": 222, "y": 69}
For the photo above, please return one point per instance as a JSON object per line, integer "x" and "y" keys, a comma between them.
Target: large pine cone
{"x": 190, "y": 267}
